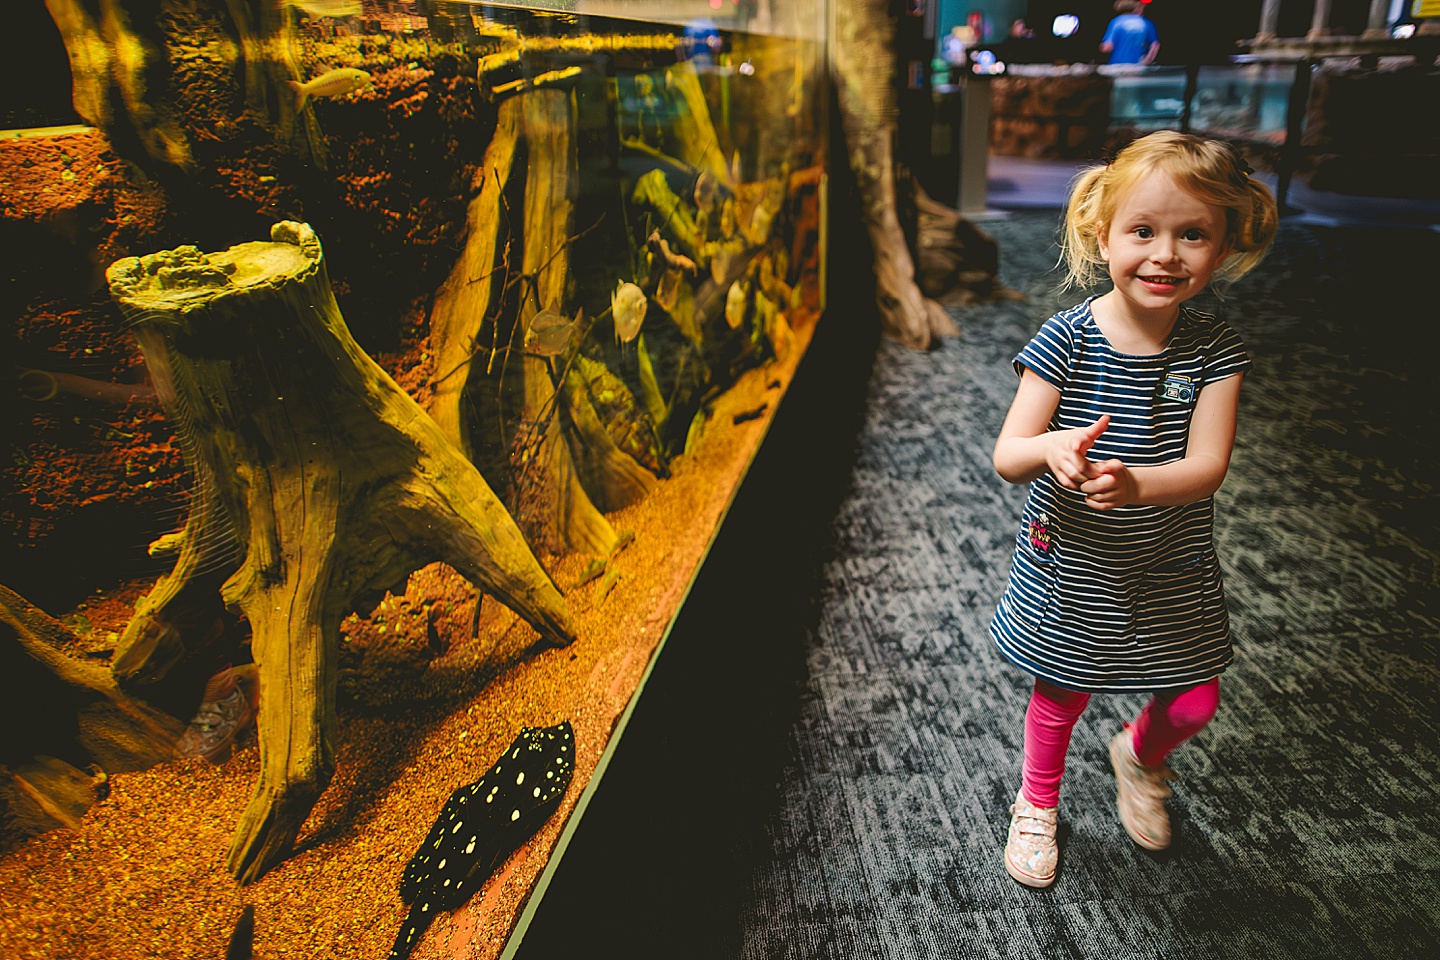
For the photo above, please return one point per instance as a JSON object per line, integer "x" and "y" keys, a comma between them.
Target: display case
{"x": 1243, "y": 101}
{"x": 380, "y": 375}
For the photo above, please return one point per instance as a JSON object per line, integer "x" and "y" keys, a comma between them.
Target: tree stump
{"x": 864, "y": 68}
{"x": 335, "y": 483}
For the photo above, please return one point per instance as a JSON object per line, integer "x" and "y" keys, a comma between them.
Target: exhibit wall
{"x": 377, "y": 377}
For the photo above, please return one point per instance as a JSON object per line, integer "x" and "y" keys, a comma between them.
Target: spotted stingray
{"x": 482, "y": 824}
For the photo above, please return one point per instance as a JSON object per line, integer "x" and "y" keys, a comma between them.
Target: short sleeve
{"x": 1049, "y": 353}
{"x": 1109, "y": 33}
{"x": 1225, "y": 355}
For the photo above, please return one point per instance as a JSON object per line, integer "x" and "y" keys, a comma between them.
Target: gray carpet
{"x": 821, "y": 765}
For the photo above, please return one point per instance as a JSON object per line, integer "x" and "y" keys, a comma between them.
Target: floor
{"x": 821, "y": 762}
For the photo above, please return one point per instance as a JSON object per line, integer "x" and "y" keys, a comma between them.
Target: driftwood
{"x": 122, "y": 69}
{"x": 568, "y": 469}
{"x": 337, "y": 486}
{"x": 114, "y": 69}
{"x": 958, "y": 262}
{"x": 553, "y": 508}
{"x": 70, "y": 707}
{"x": 864, "y": 69}
{"x": 463, "y": 301}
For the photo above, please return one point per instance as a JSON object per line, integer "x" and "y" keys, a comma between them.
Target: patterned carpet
{"x": 821, "y": 764}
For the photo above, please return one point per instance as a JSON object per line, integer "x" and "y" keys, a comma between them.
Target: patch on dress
{"x": 1040, "y": 534}
{"x": 1175, "y": 387}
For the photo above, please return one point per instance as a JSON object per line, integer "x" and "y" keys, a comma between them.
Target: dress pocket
{"x": 1175, "y": 602}
{"x": 1032, "y": 582}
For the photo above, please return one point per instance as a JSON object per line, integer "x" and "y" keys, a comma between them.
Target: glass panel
{"x": 1243, "y": 102}
{"x": 323, "y": 292}
{"x": 1146, "y": 98}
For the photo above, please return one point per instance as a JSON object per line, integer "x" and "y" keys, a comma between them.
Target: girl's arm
{"x": 1197, "y": 476}
{"x": 1027, "y": 447}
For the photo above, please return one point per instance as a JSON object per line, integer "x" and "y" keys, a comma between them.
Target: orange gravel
{"x": 145, "y": 875}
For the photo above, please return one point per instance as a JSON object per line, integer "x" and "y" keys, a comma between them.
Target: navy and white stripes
{"x": 1127, "y": 599}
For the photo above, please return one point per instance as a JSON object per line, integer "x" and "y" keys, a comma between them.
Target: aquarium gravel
{"x": 146, "y": 875}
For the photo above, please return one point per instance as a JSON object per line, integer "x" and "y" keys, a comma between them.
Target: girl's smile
{"x": 1161, "y": 248}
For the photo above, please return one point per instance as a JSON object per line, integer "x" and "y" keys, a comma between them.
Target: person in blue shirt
{"x": 1130, "y": 38}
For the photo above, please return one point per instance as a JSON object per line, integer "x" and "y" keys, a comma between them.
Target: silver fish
{"x": 705, "y": 190}
{"x": 667, "y": 291}
{"x": 549, "y": 333}
{"x": 735, "y": 305}
{"x": 331, "y": 83}
{"x": 482, "y": 824}
{"x": 627, "y": 307}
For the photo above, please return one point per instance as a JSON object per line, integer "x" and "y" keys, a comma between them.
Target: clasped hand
{"x": 1106, "y": 485}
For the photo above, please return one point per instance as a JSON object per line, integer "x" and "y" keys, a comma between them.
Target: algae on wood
{"x": 336, "y": 483}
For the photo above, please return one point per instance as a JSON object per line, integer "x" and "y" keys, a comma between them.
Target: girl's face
{"x": 1162, "y": 246}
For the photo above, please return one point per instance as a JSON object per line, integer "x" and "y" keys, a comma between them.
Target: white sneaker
{"x": 1031, "y": 853}
{"x": 1140, "y": 794}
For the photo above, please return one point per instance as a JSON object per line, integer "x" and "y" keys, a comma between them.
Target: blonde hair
{"x": 1212, "y": 171}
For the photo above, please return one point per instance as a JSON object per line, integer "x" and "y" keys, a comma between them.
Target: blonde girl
{"x": 1122, "y": 425}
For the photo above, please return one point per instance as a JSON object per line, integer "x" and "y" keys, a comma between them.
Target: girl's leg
{"x": 1049, "y": 721}
{"x": 1138, "y": 755}
{"x": 1171, "y": 718}
{"x": 1031, "y": 853}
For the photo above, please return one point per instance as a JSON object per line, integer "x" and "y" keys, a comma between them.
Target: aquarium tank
{"x": 379, "y": 375}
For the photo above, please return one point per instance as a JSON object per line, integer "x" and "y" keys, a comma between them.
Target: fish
{"x": 735, "y": 305}
{"x": 482, "y": 824}
{"x": 627, "y": 306}
{"x": 760, "y": 222}
{"x": 667, "y": 291}
{"x": 325, "y": 8}
{"x": 705, "y": 190}
{"x": 331, "y": 83}
{"x": 549, "y": 333}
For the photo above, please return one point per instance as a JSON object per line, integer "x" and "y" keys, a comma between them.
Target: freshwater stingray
{"x": 482, "y": 824}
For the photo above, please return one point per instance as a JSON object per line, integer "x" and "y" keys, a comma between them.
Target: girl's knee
{"x": 1057, "y": 703}
{"x": 1190, "y": 710}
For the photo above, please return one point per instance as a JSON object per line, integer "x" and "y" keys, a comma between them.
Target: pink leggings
{"x": 1168, "y": 720}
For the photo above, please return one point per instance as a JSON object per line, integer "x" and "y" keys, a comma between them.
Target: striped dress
{"x": 1125, "y": 599}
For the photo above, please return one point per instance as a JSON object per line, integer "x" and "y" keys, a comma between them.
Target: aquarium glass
{"x": 379, "y": 375}
{"x": 1243, "y": 101}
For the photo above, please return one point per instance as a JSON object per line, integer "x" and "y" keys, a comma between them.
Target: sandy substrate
{"x": 145, "y": 875}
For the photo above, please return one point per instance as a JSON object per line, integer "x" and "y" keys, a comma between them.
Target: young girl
{"x": 1122, "y": 425}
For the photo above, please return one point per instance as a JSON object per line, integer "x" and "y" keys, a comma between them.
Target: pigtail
{"x": 1079, "y": 242}
{"x": 1255, "y": 224}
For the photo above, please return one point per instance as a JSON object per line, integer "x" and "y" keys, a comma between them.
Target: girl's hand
{"x": 1113, "y": 485}
{"x": 1065, "y": 453}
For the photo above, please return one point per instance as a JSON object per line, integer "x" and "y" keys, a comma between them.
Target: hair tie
{"x": 1244, "y": 168}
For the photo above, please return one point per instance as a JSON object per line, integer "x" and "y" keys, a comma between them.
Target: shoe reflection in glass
{"x": 223, "y": 715}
